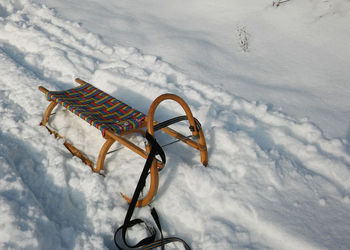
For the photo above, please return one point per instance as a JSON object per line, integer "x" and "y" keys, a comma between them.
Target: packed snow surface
{"x": 273, "y": 181}
{"x": 294, "y": 55}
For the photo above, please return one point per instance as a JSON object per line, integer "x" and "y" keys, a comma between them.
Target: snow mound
{"x": 272, "y": 181}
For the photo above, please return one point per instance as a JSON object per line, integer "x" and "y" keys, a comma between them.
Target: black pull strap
{"x": 176, "y": 120}
{"x": 162, "y": 241}
{"x": 149, "y": 242}
{"x": 169, "y": 122}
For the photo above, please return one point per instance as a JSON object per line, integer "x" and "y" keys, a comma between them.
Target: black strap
{"x": 149, "y": 242}
{"x": 177, "y": 119}
{"x": 167, "y": 123}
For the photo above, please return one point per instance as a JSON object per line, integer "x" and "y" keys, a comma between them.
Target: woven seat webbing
{"x": 98, "y": 108}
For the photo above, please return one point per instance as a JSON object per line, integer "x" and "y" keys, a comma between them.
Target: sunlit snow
{"x": 274, "y": 180}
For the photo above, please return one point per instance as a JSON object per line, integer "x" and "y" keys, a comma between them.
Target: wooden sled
{"x": 115, "y": 119}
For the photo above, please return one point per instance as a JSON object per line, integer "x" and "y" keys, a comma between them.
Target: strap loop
{"x": 148, "y": 242}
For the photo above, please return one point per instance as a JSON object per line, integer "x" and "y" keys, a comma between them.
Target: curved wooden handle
{"x": 196, "y": 132}
{"x": 158, "y": 100}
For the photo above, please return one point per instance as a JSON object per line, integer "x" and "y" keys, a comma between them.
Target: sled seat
{"x": 115, "y": 119}
{"x": 98, "y": 108}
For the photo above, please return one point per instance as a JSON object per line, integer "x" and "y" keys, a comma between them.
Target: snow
{"x": 275, "y": 179}
{"x": 297, "y": 53}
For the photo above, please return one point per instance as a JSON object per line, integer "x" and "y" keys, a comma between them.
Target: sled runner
{"x": 115, "y": 119}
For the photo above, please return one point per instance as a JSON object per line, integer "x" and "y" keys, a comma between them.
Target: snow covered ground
{"x": 297, "y": 54}
{"x": 274, "y": 181}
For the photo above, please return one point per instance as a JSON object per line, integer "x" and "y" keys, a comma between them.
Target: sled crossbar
{"x": 115, "y": 119}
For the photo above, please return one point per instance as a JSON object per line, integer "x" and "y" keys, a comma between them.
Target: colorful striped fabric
{"x": 98, "y": 108}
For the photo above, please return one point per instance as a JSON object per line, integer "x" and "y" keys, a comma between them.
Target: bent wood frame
{"x": 149, "y": 122}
